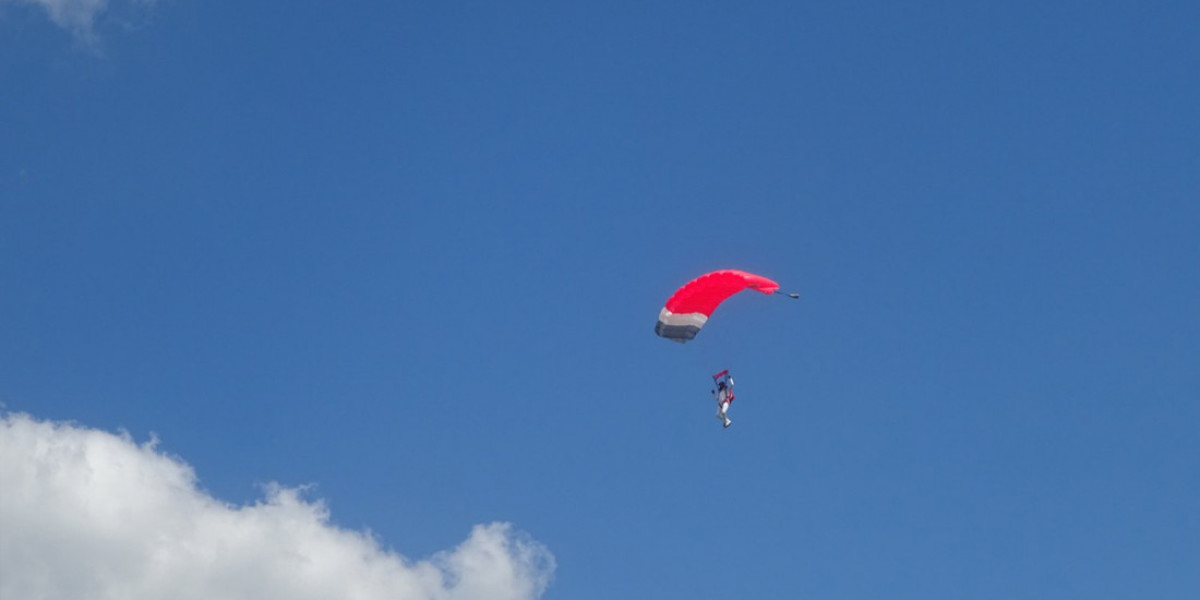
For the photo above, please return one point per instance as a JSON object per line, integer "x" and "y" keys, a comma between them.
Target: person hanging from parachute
{"x": 689, "y": 308}
{"x": 724, "y": 395}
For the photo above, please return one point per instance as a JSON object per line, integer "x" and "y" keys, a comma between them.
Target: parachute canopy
{"x": 688, "y": 309}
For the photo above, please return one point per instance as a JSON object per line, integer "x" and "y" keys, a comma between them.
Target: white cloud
{"x": 89, "y": 514}
{"x": 75, "y": 15}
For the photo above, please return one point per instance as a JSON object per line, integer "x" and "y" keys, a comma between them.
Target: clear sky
{"x": 411, "y": 255}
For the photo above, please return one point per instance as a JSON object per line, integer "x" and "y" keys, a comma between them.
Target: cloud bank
{"x": 89, "y": 514}
{"x": 75, "y": 15}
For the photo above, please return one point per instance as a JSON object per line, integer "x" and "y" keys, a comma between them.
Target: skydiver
{"x": 724, "y": 396}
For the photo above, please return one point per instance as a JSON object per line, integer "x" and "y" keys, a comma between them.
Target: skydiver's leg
{"x": 723, "y": 406}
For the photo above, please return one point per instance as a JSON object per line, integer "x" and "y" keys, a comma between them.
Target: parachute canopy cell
{"x": 688, "y": 309}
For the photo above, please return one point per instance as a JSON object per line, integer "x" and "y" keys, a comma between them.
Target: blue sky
{"x": 412, "y": 254}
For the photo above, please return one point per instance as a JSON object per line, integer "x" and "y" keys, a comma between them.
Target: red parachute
{"x": 688, "y": 309}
